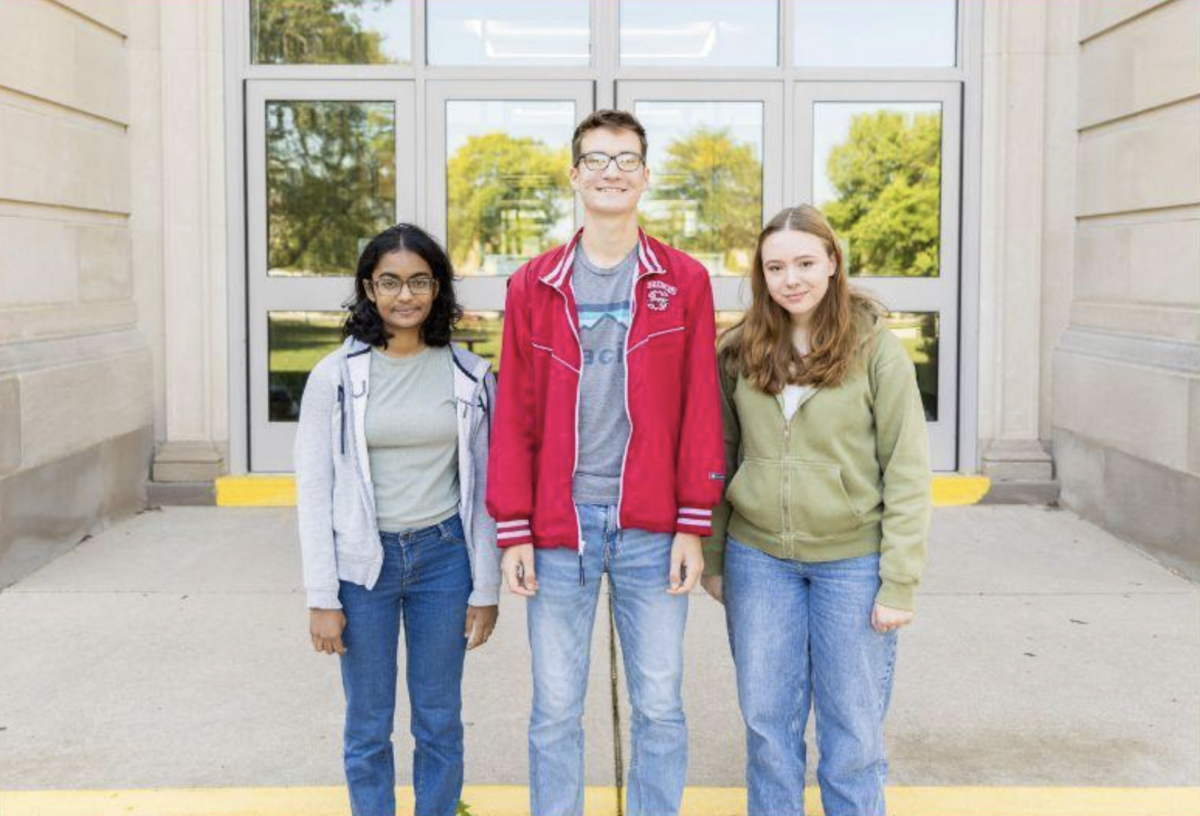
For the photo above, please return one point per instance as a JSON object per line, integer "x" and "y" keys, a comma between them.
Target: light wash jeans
{"x": 801, "y": 635}
{"x": 650, "y": 624}
{"x": 426, "y": 580}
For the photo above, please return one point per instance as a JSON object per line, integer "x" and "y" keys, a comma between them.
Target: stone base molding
{"x": 1011, "y": 460}
{"x": 187, "y": 462}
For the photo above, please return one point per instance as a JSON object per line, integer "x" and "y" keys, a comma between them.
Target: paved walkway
{"x": 172, "y": 652}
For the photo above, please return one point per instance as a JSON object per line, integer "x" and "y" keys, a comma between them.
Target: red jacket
{"x": 674, "y": 463}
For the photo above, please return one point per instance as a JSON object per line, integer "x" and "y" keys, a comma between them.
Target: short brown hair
{"x": 609, "y": 120}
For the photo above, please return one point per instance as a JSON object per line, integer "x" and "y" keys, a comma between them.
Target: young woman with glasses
{"x": 391, "y": 463}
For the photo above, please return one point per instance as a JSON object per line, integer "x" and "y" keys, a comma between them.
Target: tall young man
{"x": 607, "y": 456}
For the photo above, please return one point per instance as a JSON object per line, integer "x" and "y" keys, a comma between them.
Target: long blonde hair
{"x": 760, "y": 347}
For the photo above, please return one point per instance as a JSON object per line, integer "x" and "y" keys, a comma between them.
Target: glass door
{"x": 882, "y": 161}
{"x": 497, "y": 155}
{"x": 329, "y": 164}
{"x": 716, "y": 172}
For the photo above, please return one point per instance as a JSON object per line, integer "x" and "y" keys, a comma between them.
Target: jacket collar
{"x": 648, "y": 263}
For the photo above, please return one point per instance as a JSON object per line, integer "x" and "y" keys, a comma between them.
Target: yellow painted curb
{"x": 955, "y": 491}
{"x": 256, "y": 491}
{"x": 280, "y": 491}
{"x": 512, "y": 800}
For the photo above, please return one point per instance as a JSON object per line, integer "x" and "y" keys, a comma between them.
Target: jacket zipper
{"x": 342, "y": 415}
{"x": 786, "y": 482}
{"x": 628, "y": 413}
{"x": 575, "y": 465}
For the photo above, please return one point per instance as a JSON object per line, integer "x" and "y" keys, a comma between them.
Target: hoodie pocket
{"x": 754, "y": 494}
{"x": 818, "y": 505}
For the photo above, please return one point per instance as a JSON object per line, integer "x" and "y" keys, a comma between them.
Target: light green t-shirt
{"x": 412, "y": 439}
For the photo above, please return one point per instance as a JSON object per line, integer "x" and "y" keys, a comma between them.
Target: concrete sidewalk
{"x": 172, "y": 651}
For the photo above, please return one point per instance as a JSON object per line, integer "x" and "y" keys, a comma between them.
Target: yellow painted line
{"x": 954, "y": 491}
{"x": 513, "y": 800}
{"x": 280, "y": 491}
{"x": 256, "y": 491}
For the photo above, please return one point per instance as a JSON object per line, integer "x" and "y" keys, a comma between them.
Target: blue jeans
{"x": 801, "y": 635}
{"x": 650, "y": 624}
{"x": 426, "y": 580}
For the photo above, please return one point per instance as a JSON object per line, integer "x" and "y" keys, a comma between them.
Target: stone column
{"x": 1014, "y": 119}
{"x": 193, "y": 434}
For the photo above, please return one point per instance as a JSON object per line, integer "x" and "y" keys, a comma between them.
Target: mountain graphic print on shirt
{"x": 603, "y": 327}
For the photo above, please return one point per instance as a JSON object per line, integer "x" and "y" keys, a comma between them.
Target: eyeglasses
{"x": 597, "y": 161}
{"x": 391, "y": 286}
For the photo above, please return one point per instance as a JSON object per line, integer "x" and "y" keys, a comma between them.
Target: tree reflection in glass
{"x": 331, "y": 183}
{"x": 918, "y": 333}
{"x": 330, "y": 32}
{"x": 705, "y": 193}
{"x": 507, "y": 193}
{"x": 296, "y": 341}
{"x": 480, "y": 332}
{"x": 881, "y": 189}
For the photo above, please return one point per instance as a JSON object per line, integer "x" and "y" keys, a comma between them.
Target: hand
{"x": 519, "y": 572}
{"x": 886, "y": 619}
{"x": 687, "y": 563}
{"x": 481, "y": 620}
{"x": 714, "y": 585}
{"x": 325, "y": 626}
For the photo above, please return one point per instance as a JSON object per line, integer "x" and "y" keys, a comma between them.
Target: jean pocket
{"x": 452, "y": 531}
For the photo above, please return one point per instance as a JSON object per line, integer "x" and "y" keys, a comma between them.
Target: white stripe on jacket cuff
{"x": 698, "y": 512}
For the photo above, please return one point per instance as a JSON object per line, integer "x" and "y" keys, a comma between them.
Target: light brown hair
{"x": 609, "y": 120}
{"x": 760, "y": 346}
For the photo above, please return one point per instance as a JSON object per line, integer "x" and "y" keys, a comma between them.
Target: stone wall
{"x": 1125, "y": 396}
{"x": 76, "y": 383}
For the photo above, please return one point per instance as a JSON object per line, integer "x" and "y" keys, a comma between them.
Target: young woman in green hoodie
{"x": 818, "y": 545}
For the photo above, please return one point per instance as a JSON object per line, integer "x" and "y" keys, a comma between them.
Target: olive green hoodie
{"x": 848, "y": 476}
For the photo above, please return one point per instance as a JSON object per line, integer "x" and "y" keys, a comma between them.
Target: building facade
{"x": 184, "y": 189}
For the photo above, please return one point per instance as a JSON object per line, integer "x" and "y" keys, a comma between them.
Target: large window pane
{"x": 296, "y": 342}
{"x": 919, "y": 333}
{"x": 481, "y": 332}
{"x": 705, "y": 193}
{"x": 331, "y": 183}
{"x": 507, "y": 194}
{"x": 515, "y": 32}
{"x": 874, "y": 33}
{"x": 877, "y": 175}
{"x": 330, "y": 32}
{"x": 719, "y": 33}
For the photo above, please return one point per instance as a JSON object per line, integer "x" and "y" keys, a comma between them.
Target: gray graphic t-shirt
{"x": 602, "y": 299}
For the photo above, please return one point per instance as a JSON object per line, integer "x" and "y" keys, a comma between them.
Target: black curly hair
{"x": 365, "y": 323}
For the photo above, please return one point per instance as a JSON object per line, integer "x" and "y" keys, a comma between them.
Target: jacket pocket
{"x": 667, "y": 341}
{"x": 818, "y": 505}
{"x": 350, "y": 522}
{"x": 754, "y": 494}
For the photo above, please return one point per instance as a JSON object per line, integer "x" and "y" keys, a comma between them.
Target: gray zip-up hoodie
{"x": 335, "y": 499}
